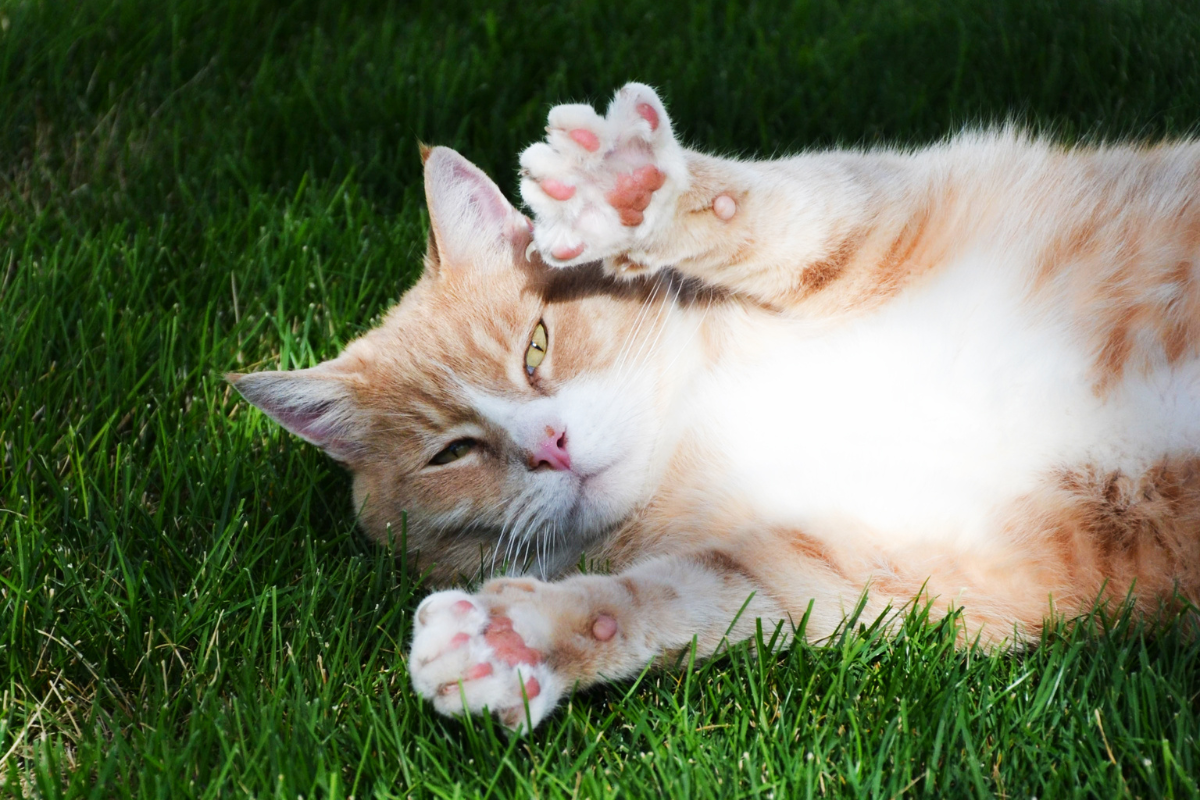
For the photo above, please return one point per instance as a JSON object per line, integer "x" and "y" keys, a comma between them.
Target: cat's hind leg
{"x": 600, "y": 186}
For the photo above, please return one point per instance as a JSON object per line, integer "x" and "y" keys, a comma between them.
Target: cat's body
{"x": 969, "y": 373}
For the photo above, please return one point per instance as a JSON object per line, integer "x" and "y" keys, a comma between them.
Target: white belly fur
{"x": 919, "y": 420}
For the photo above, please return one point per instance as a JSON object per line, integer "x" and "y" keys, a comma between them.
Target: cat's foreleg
{"x": 621, "y": 189}
{"x": 523, "y": 644}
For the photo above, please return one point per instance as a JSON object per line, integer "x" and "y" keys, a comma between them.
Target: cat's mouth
{"x": 583, "y": 502}
{"x": 600, "y": 500}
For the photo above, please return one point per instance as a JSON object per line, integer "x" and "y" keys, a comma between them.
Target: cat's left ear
{"x": 318, "y": 405}
{"x": 474, "y": 226}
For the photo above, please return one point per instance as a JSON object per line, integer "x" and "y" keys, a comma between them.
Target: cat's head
{"x": 510, "y": 410}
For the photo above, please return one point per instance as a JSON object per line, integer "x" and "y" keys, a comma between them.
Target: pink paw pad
{"x": 585, "y": 139}
{"x": 564, "y": 253}
{"x": 647, "y": 112}
{"x": 479, "y": 671}
{"x": 604, "y": 628}
{"x": 508, "y": 644}
{"x": 557, "y": 189}
{"x": 724, "y": 207}
{"x": 631, "y": 194}
{"x": 463, "y": 607}
{"x": 512, "y": 717}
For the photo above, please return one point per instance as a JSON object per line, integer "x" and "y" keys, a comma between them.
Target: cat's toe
{"x": 578, "y": 132}
{"x": 637, "y": 111}
{"x": 549, "y": 188}
{"x": 447, "y": 639}
{"x": 648, "y": 158}
{"x": 438, "y": 602}
{"x": 506, "y": 693}
{"x": 546, "y": 180}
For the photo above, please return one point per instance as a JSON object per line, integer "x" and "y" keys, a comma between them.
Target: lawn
{"x": 189, "y": 187}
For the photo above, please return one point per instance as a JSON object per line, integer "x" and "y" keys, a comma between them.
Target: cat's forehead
{"x": 444, "y": 334}
{"x": 455, "y": 338}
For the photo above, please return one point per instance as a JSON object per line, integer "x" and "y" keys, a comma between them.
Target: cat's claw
{"x": 599, "y": 185}
{"x": 467, "y": 659}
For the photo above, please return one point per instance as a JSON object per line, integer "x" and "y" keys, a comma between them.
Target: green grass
{"x": 193, "y": 186}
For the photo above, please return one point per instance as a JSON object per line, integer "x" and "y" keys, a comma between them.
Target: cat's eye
{"x": 537, "y": 348}
{"x": 453, "y": 451}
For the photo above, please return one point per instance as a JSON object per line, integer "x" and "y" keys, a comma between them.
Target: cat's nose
{"x": 552, "y": 451}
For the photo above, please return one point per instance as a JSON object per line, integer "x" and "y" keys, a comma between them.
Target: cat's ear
{"x": 316, "y": 404}
{"x": 473, "y": 225}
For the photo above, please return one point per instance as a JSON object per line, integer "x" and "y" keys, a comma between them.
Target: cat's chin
{"x": 604, "y": 499}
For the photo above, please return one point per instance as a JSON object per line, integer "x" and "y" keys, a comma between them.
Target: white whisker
{"x": 634, "y": 330}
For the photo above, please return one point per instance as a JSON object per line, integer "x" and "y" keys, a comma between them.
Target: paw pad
{"x": 557, "y": 189}
{"x": 510, "y": 647}
{"x": 647, "y": 112}
{"x": 632, "y": 192}
{"x": 586, "y": 139}
{"x": 479, "y": 671}
{"x": 724, "y": 207}
{"x": 604, "y": 628}
{"x": 564, "y": 253}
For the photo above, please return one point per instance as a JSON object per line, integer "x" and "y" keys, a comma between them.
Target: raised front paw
{"x": 470, "y": 653}
{"x": 600, "y": 186}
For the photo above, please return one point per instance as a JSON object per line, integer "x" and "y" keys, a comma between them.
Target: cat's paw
{"x": 599, "y": 186}
{"x": 472, "y": 653}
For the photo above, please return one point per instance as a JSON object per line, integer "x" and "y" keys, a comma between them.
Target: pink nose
{"x": 552, "y": 452}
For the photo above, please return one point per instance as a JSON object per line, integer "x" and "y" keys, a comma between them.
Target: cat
{"x": 967, "y": 375}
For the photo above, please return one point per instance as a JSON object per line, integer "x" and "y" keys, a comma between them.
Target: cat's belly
{"x": 928, "y": 415}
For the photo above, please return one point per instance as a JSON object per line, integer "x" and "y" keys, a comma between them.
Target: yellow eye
{"x": 453, "y": 452}
{"x": 537, "y": 348}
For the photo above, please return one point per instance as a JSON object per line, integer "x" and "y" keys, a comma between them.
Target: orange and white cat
{"x": 968, "y": 373}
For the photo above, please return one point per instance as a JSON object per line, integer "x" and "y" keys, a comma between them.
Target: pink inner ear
{"x": 306, "y": 422}
{"x": 318, "y": 427}
{"x": 469, "y": 213}
{"x": 317, "y": 409}
{"x": 484, "y": 195}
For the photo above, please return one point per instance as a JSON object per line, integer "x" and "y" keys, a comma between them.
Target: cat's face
{"x": 510, "y": 410}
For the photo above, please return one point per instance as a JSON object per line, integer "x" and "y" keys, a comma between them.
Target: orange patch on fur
{"x": 1116, "y": 533}
{"x": 812, "y": 549}
{"x": 820, "y": 275}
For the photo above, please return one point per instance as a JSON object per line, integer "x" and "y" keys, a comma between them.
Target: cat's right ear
{"x": 473, "y": 226}
{"x": 317, "y": 404}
